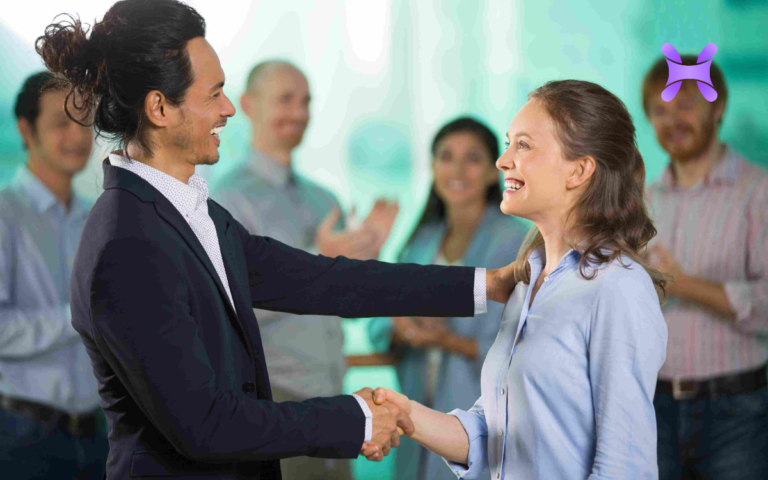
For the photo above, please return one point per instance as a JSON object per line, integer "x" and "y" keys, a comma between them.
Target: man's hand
{"x": 384, "y": 396}
{"x": 499, "y": 283}
{"x": 380, "y": 220}
{"x": 663, "y": 261}
{"x": 359, "y": 244}
{"x": 388, "y": 422}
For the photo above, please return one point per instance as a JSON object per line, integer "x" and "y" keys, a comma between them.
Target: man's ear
{"x": 27, "y": 131}
{"x": 719, "y": 110}
{"x": 157, "y": 109}
{"x": 581, "y": 171}
{"x": 246, "y": 103}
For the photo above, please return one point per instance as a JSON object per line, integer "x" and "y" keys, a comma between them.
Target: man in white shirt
{"x": 165, "y": 279}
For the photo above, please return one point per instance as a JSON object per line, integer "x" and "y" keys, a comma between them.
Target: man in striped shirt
{"x": 711, "y": 211}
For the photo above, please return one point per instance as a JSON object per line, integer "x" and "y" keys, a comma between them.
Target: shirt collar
{"x": 174, "y": 190}
{"x": 537, "y": 258}
{"x": 270, "y": 169}
{"x": 724, "y": 171}
{"x": 42, "y": 198}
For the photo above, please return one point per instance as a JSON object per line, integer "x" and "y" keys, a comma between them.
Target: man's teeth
{"x": 216, "y": 131}
{"x": 513, "y": 185}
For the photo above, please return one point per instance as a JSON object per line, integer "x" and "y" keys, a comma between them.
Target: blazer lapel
{"x": 235, "y": 274}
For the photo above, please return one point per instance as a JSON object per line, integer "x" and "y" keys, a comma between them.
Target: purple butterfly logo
{"x": 679, "y": 72}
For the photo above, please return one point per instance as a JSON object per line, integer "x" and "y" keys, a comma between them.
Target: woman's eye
{"x": 521, "y": 144}
{"x": 506, "y": 145}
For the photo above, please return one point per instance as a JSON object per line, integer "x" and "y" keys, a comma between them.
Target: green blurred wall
{"x": 384, "y": 81}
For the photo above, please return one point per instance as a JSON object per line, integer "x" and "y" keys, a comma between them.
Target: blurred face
{"x": 278, "y": 106}
{"x": 195, "y": 133}
{"x": 55, "y": 141}
{"x": 535, "y": 172}
{"x": 685, "y": 126}
{"x": 463, "y": 170}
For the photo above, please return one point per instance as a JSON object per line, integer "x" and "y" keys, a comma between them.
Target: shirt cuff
{"x": 368, "y": 418}
{"x": 480, "y": 292}
{"x": 477, "y": 433}
{"x": 739, "y": 296}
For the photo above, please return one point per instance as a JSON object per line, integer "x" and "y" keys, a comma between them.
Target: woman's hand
{"x": 441, "y": 433}
{"x": 403, "y": 404}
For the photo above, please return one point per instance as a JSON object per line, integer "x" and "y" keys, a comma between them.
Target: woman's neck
{"x": 556, "y": 244}
{"x": 461, "y": 224}
{"x": 464, "y": 217}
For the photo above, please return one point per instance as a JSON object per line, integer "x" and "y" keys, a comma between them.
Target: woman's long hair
{"x": 610, "y": 219}
{"x": 434, "y": 211}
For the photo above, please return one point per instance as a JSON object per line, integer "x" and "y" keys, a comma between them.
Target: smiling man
{"x": 305, "y": 354}
{"x": 710, "y": 210}
{"x": 165, "y": 280}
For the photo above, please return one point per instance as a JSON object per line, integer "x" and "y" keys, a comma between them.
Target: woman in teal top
{"x": 440, "y": 359}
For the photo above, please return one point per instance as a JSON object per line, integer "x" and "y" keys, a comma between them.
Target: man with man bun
{"x": 165, "y": 280}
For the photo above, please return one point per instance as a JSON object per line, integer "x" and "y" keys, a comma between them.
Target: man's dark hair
{"x": 657, "y": 76}
{"x": 139, "y": 46}
{"x": 28, "y": 100}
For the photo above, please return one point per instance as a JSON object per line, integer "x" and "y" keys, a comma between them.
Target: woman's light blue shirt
{"x": 574, "y": 399}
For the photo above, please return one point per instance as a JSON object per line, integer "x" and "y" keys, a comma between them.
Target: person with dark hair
{"x": 305, "y": 354}
{"x": 439, "y": 360}
{"x": 165, "y": 280}
{"x": 50, "y": 421}
{"x": 567, "y": 387}
{"x": 711, "y": 208}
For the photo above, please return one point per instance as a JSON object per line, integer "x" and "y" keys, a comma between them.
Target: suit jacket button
{"x": 249, "y": 387}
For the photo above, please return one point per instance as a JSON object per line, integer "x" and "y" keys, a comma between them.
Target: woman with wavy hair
{"x": 568, "y": 385}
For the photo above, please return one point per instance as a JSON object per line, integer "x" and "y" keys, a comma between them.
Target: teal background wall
{"x": 385, "y": 74}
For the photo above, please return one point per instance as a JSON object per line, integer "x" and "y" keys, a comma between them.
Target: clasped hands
{"x": 391, "y": 419}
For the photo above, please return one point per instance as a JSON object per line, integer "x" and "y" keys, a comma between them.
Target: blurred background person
{"x": 711, "y": 211}
{"x": 51, "y": 425}
{"x": 304, "y": 352}
{"x": 439, "y": 360}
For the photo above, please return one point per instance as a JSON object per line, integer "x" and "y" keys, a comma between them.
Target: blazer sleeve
{"x": 142, "y": 324}
{"x": 290, "y": 280}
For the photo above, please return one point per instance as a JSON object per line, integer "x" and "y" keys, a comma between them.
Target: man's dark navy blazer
{"x": 182, "y": 376}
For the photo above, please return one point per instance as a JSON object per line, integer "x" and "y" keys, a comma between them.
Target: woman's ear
{"x": 582, "y": 170}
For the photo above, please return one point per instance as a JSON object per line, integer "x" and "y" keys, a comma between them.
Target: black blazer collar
{"x": 120, "y": 178}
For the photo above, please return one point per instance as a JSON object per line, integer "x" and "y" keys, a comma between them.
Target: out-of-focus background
{"x": 385, "y": 74}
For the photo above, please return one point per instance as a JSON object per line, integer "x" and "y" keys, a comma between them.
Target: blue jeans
{"x": 713, "y": 439}
{"x": 29, "y": 449}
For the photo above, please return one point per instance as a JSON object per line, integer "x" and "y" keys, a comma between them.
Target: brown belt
{"x": 79, "y": 425}
{"x": 724, "y": 386}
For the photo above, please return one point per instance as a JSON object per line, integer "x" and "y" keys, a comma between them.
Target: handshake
{"x": 391, "y": 419}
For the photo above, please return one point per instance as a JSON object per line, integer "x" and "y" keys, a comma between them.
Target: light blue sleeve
{"x": 26, "y": 332}
{"x": 626, "y": 344}
{"x": 476, "y": 427}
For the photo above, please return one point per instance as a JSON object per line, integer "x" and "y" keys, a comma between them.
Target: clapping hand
{"x": 389, "y": 422}
{"x": 380, "y": 220}
{"x": 359, "y": 243}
